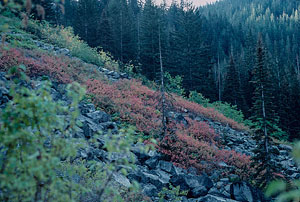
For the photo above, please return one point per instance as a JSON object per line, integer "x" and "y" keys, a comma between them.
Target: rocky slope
{"x": 154, "y": 171}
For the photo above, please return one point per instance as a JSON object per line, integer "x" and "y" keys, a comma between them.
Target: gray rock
{"x": 242, "y": 191}
{"x": 109, "y": 126}
{"x": 187, "y": 182}
{"x": 211, "y": 198}
{"x": 166, "y": 166}
{"x": 86, "y": 108}
{"x": 163, "y": 176}
{"x": 285, "y": 147}
{"x": 99, "y": 117}
{"x": 150, "y": 190}
{"x": 152, "y": 162}
{"x": 63, "y": 51}
{"x": 198, "y": 192}
{"x": 121, "y": 179}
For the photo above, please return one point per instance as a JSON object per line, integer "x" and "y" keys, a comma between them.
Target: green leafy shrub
{"x": 198, "y": 98}
{"x": 230, "y": 111}
{"x": 174, "y": 84}
{"x": 171, "y": 194}
{"x": 38, "y": 153}
{"x": 65, "y": 38}
{"x": 33, "y": 151}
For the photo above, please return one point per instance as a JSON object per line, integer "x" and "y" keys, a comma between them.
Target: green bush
{"x": 171, "y": 194}
{"x": 65, "y": 38}
{"x": 174, "y": 84}
{"x": 229, "y": 111}
{"x": 198, "y": 98}
{"x": 33, "y": 151}
{"x": 38, "y": 156}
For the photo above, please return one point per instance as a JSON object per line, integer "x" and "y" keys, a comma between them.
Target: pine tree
{"x": 264, "y": 117}
{"x": 119, "y": 19}
{"x": 86, "y": 21}
{"x": 232, "y": 92}
{"x": 149, "y": 41}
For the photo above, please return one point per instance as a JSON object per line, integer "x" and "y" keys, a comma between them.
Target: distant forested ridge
{"x": 214, "y": 48}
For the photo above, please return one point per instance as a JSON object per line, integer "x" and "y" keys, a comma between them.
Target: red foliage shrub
{"x": 193, "y": 145}
{"x": 134, "y": 102}
{"x": 37, "y": 64}
{"x": 198, "y": 130}
{"x": 186, "y": 151}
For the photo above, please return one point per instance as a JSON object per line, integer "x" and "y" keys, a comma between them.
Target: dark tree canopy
{"x": 213, "y": 47}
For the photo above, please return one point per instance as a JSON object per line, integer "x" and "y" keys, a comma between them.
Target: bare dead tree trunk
{"x": 121, "y": 32}
{"x": 138, "y": 37}
{"x": 162, "y": 88}
{"x": 264, "y": 119}
{"x": 219, "y": 79}
{"x": 265, "y": 131}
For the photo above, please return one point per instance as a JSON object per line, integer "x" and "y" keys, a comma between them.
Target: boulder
{"x": 163, "y": 176}
{"x": 150, "y": 190}
{"x": 86, "y": 108}
{"x": 122, "y": 180}
{"x": 211, "y": 198}
{"x": 242, "y": 191}
{"x": 99, "y": 117}
{"x": 139, "y": 150}
{"x": 166, "y": 166}
{"x": 152, "y": 179}
{"x": 109, "y": 127}
{"x": 152, "y": 162}
{"x": 198, "y": 192}
{"x": 189, "y": 182}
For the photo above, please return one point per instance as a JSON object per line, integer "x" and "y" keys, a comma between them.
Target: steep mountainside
{"x": 203, "y": 152}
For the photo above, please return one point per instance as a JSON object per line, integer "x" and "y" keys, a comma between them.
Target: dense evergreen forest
{"x": 214, "y": 48}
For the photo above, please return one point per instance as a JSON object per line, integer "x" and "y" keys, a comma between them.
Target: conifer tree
{"x": 149, "y": 41}
{"x": 264, "y": 117}
{"x": 87, "y": 20}
{"x": 232, "y": 91}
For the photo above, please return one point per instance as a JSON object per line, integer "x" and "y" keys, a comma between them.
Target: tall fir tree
{"x": 264, "y": 117}
{"x": 232, "y": 90}
{"x": 149, "y": 41}
{"x": 86, "y": 22}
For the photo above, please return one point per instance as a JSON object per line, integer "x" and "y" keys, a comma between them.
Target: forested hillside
{"x": 122, "y": 100}
{"x": 213, "y": 47}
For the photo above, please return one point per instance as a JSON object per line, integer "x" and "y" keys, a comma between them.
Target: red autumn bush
{"x": 37, "y": 64}
{"x": 134, "y": 102}
{"x": 60, "y": 68}
{"x": 193, "y": 145}
{"x": 198, "y": 130}
{"x": 186, "y": 151}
